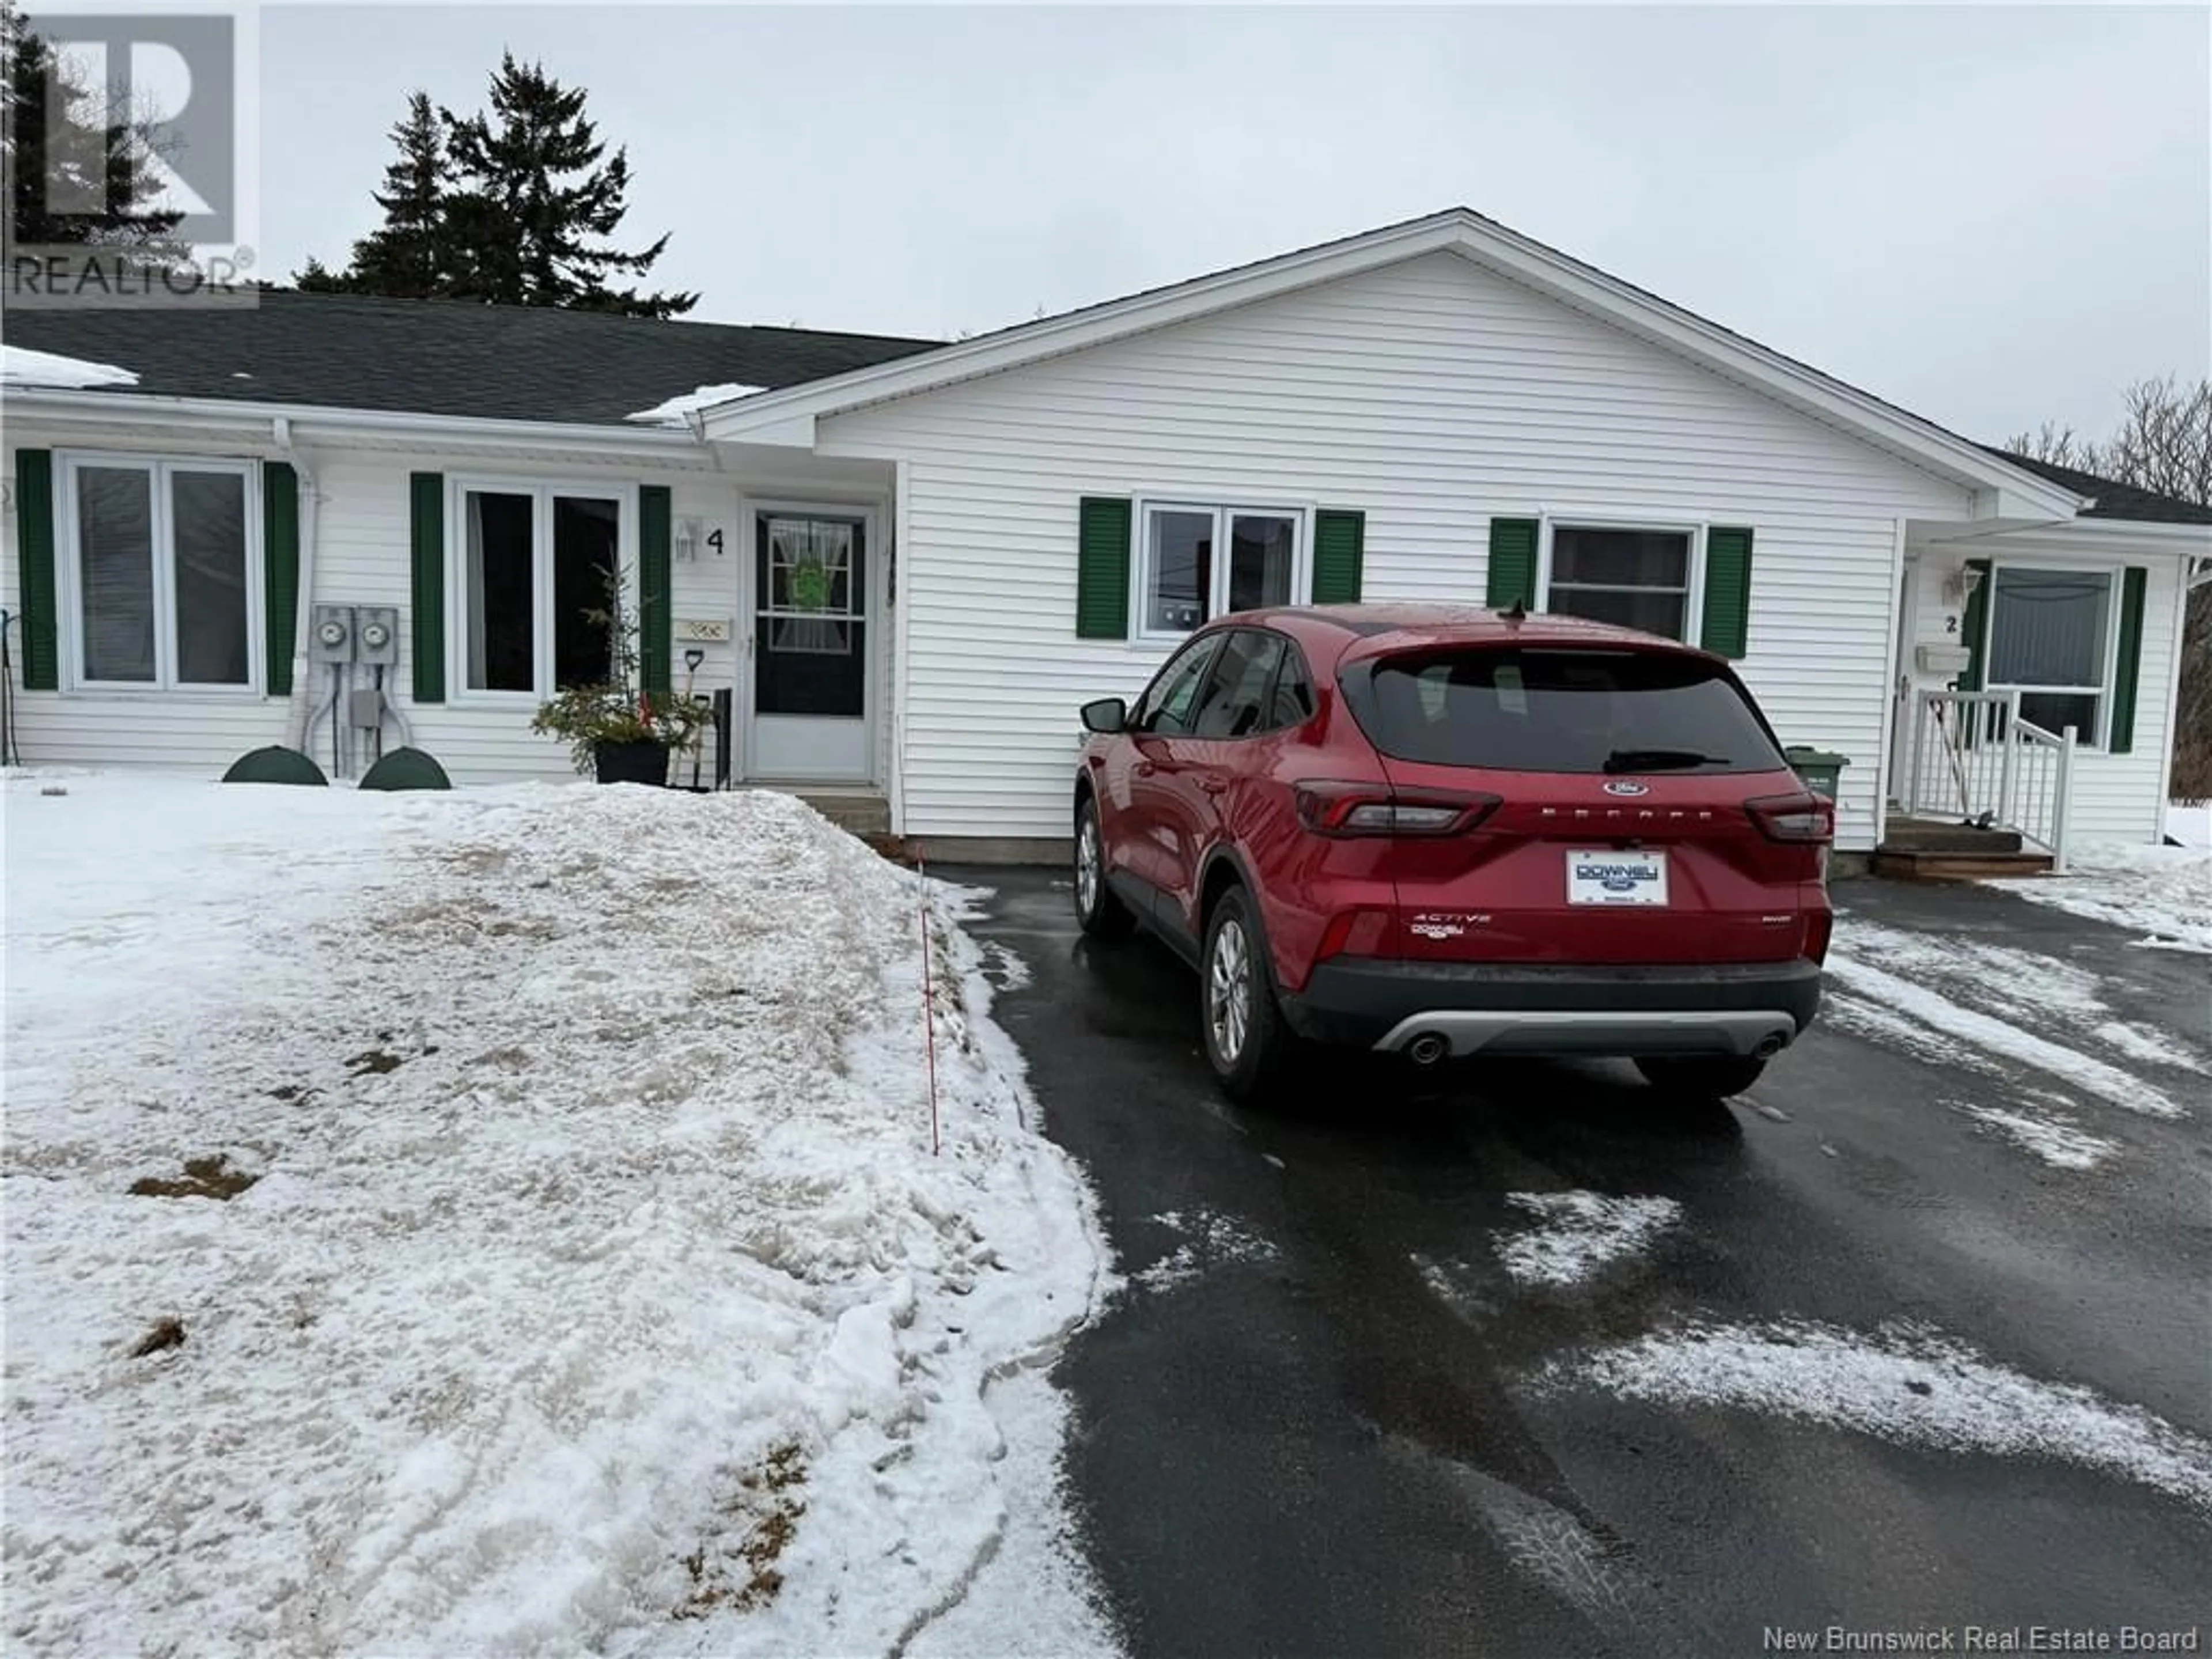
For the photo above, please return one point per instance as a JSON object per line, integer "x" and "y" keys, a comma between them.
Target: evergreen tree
{"x": 99, "y": 158}
{"x": 541, "y": 196}
{"x": 512, "y": 205}
{"x": 319, "y": 278}
{"x": 409, "y": 257}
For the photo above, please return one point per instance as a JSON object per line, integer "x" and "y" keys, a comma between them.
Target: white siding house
{"x": 1391, "y": 407}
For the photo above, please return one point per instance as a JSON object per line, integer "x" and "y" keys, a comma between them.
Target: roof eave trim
{"x": 205, "y": 412}
{"x": 2185, "y": 538}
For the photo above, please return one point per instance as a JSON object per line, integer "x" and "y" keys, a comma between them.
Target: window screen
{"x": 1632, "y": 578}
{"x": 115, "y": 558}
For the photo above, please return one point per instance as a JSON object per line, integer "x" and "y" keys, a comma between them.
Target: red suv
{"x": 1434, "y": 832}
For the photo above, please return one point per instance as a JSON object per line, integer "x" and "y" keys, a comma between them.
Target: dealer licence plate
{"x": 1603, "y": 877}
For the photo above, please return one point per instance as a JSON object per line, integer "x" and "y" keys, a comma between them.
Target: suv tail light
{"x": 1377, "y": 809}
{"x": 1804, "y": 818}
{"x": 1820, "y": 931}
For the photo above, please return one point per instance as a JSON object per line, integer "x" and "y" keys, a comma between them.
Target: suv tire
{"x": 1247, "y": 1042}
{"x": 1701, "y": 1077}
{"x": 1098, "y": 909}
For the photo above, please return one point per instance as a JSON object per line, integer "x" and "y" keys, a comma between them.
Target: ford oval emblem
{"x": 1627, "y": 787}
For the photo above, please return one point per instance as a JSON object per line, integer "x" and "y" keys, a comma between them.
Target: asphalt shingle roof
{"x": 2114, "y": 500}
{"x": 440, "y": 357}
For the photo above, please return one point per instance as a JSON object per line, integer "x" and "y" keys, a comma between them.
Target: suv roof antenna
{"x": 1517, "y": 611}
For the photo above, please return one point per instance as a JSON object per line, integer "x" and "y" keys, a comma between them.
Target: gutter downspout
{"x": 301, "y": 709}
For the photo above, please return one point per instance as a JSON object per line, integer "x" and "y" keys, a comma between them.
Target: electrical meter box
{"x": 379, "y": 635}
{"x": 330, "y": 638}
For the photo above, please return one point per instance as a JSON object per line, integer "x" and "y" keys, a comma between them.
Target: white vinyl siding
{"x": 1433, "y": 397}
{"x": 363, "y": 539}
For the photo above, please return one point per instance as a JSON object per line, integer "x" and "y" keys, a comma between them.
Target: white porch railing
{"x": 1973, "y": 756}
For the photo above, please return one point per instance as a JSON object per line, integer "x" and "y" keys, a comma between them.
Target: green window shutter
{"x": 1102, "y": 569}
{"x": 656, "y": 622}
{"x": 279, "y": 567}
{"x": 1512, "y": 563}
{"x": 1728, "y": 592}
{"x": 1977, "y": 626}
{"x": 1339, "y": 545}
{"x": 35, "y": 556}
{"x": 2128, "y": 670}
{"x": 427, "y": 492}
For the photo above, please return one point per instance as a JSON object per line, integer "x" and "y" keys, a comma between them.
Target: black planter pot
{"x": 631, "y": 763}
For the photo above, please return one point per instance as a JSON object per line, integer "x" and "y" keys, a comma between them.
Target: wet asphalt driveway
{"x": 1918, "y": 1338}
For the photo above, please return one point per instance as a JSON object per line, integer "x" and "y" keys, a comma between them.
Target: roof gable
{"x": 2003, "y": 489}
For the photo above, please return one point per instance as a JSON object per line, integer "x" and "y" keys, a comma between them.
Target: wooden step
{"x": 864, "y": 814}
{"x": 1939, "y": 835}
{"x": 1941, "y": 866}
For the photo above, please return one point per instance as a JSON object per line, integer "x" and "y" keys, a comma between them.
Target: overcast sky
{"x": 1992, "y": 215}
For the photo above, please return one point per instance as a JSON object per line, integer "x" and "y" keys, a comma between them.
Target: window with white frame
{"x": 1634, "y": 578}
{"x": 162, "y": 586}
{"x": 2048, "y": 638}
{"x": 1200, "y": 562}
{"x": 533, "y": 564}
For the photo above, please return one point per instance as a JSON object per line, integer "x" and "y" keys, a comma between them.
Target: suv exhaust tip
{"x": 1770, "y": 1046}
{"x": 1427, "y": 1048}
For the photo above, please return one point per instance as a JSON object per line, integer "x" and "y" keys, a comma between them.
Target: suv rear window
{"x": 1562, "y": 711}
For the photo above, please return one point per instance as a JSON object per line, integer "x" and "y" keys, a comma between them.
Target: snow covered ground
{"x": 585, "y": 1281}
{"x": 1903, "y": 1384}
{"x": 1578, "y": 1234}
{"x": 2164, "y": 893}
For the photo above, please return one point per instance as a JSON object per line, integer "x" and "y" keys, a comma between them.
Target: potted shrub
{"x": 614, "y": 731}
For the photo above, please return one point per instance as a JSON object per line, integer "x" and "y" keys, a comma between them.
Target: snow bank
{"x": 596, "y": 1290}
{"x": 676, "y": 411}
{"x": 2165, "y": 893}
{"x": 1579, "y": 1234}
{"x": 2189, "y": 824}
{"x": 20, "y": 366}
{"x": 1903, "y": 1384}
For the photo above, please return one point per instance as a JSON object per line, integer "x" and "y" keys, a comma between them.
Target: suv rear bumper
{"x": 1735, "y": 1008}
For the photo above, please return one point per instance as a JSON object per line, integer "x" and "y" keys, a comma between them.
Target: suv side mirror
{"x": 1107, "y": 714}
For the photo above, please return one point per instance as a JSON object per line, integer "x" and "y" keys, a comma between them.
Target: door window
{"x": 1167, "y": 708}
{"x": 1293, "y": 702}
{"x": 810, "y": 630}
{"x": 1236, "y": 696}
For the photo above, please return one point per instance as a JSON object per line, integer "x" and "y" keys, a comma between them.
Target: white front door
{"x": 812, "y": 640}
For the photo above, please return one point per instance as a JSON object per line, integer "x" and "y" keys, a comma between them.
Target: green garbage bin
{"x": 1821, "y": 770}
